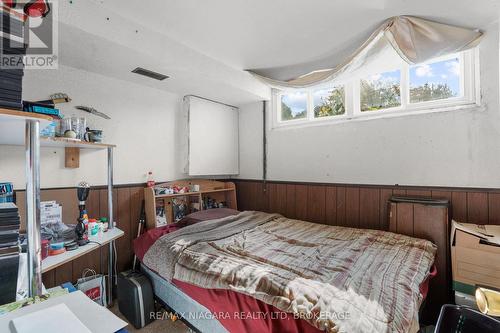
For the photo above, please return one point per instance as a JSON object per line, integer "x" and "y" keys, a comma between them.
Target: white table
{"x": 96, "y": 318}
{"x": 52, "y": 262}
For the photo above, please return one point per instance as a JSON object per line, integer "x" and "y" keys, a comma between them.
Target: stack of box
{"x": 13, "y": 49}
{"x": 9, "y": 251}
{"x": 475, "y": 259}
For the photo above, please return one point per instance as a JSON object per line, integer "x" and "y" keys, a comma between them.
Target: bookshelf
{"x": 159, "y": 205}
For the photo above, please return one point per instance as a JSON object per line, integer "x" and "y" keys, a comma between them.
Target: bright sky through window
{"x": 446, "y": 82}
{"x": 438, "y": 80}
{"x": 294, "y": 106}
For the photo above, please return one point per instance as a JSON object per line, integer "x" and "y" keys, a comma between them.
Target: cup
{"x": 64, "y": 125}
{"x": 93, "y": 135}
{"x": 78, "y": 125}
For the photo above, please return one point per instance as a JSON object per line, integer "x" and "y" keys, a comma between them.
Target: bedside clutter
{"x": 9, "y": 251}
{"x": 475, "y": 258}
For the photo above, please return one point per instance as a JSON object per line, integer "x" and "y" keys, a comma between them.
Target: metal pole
{"x": 110, "y": 187}
{"x": 264, "y": 145}
{"x": 32, "y": 148}
{"x": 110, "y": 224}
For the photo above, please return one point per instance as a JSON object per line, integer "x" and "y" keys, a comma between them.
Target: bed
{"x": 260, "y": 272}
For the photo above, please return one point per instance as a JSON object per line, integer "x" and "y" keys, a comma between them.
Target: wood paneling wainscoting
{"x": 126, "y": 209}
{"x": 361, "y": 206}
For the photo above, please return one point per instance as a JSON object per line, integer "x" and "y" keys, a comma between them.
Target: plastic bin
{"x": 459, "y": 319}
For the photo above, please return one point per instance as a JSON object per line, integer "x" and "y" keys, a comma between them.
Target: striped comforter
{"x": 338, "y": 279}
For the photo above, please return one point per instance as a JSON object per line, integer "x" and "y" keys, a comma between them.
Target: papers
{"x": 489, "y": 233}
{"x": 96, "y": 318}
{"x": 54, "y": 319}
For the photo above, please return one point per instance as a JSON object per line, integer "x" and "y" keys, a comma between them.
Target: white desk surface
{"x": 52, "y": 262}
{"x": 98, "y": 319}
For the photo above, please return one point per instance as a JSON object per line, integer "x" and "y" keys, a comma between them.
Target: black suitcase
{"x": 135, "y": 298}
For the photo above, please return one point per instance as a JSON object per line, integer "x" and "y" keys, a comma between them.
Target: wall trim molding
{"x": 394, "y": 187}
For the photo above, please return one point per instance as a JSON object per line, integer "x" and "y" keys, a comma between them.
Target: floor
{"x": 159, "y": 325}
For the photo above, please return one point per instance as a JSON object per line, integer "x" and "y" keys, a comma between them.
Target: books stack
{"x": 6, "y": 192}
{"x": 13, "y": 50}
{"x": 41, "y": 107}
{"x": 9, "y": 251}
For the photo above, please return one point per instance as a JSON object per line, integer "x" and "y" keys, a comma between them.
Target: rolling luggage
{"x": 135, "y": 298}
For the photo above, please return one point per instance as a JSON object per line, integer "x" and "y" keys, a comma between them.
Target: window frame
{"x": 469, "y": 86}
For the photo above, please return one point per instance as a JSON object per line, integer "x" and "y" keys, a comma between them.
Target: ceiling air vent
{"x": 151, "y": 74}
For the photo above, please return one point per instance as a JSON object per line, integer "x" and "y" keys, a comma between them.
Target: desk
{"x": 98, "y": 319}
{"x": 52, "y": 262}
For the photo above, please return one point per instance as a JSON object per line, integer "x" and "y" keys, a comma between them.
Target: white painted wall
{"x": 456, "y": 148}
{"x": 142, "y": 126}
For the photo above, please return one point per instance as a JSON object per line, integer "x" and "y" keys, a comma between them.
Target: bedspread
{"x": 338, "y": 279}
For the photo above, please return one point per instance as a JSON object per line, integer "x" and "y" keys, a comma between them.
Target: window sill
{"x": 377, "y": 115}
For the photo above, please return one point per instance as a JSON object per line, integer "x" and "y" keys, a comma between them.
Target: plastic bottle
{"x": 150, "y": 181}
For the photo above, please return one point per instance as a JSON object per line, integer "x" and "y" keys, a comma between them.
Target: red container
{"x": 45, "y": 248}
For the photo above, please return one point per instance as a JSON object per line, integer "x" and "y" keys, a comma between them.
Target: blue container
{"x": 6, "y": 192}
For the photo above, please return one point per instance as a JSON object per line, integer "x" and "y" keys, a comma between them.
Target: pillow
{"x": 205, "y": 215}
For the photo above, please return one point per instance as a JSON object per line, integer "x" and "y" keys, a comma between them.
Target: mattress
{"x": 268, "y": 238}
{"x": 197, "y": 315}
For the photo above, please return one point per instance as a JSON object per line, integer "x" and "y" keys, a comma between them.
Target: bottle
{"x": 488, "y": 301}
{"x": 150, "y": 181}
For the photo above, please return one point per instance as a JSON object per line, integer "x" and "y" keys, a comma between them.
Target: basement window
{"x": 445, "y": 83}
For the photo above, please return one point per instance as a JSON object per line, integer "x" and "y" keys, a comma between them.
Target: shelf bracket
{"x": 72, "y": 157}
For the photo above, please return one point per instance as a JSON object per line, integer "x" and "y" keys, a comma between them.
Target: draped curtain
{"x": 413, "y": 39}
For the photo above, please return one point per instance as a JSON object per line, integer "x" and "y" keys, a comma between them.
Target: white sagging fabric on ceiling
{"x": 412, "y": 39}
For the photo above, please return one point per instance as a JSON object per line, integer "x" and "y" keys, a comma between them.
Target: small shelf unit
{"x": 21, "y": 128}
{"x": 216, "y": 190}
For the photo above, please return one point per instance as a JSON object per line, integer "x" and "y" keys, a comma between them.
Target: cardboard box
{"x": 475, "y": 256}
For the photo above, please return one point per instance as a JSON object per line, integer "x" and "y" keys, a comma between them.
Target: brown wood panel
{"x": 49, "y": 279}
{"x": 64, "y": 273}
{"x": 316, "y": 204}
{"x": 399, "y": 191}
{"x": 477, "y": 207}
{"x": 123, "y": 221}
{"x": 91, "y": 260}
{"x": 252, "y": 195}
{"x": 136, "y": 198}
{"x": 103, "y": 212}
{"x": 435, "y": 194}
{"x": 92, "y": 204}
{"x": 459, "y": 206}
{"x": 352, "y": 207}
{"x": 385, "y": 195}
{"x": 341, "y": 206}
{"x": 277, "y": 198}
{"x": 263, "y": 197}
{"x": 324, "y": 203}
{"x": 405, "y": 219}
{"x": 431, "y": 223}
{"x": 66, "y": 197}
{"x": 419, "y": 193}
{"x": 494, "y": 208}
{"x": 301, "y": 195}
{"x": 242, "y": 194}
{"x": 331, "y": 205}
{"x": 393, "y": 216}
{"x": 369, "y": 208}
{"x": 291, "y": 211}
